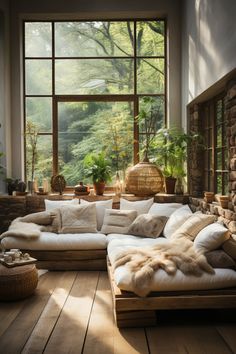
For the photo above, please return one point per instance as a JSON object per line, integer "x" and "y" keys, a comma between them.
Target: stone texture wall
{"x": 195, "y": 156}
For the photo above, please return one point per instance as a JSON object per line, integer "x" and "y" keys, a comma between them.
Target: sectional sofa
{"x": 93, "y": 236}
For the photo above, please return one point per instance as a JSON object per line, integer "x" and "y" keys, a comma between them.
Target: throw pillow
{"x": 211, "y": 237}
{"x": 165, "y": 209}
{"x": 176, "y": 219}
{"x": 230, "y": 247}
{"x": 41, "y": 218}
{"x": 220, "y": 259}
{"x": 53, "y": 204}
{"x": 141, "y": 206}
{"x": 193, "y": 225}
{"x": 118, "y": 221}
{"x": 78, "y": 219}
{"x": 147, "y": 225}
{"x": 101, "y": 206}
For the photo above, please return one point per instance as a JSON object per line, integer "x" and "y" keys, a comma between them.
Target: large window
{"x": 216, "y": 152}
{"x": 84, "y": 83}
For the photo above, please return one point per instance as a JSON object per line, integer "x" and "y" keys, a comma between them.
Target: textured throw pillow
{"x": 176, "y": 219}
{"x": 220, "y": 259}
{"x": 230, "y": 247}
{"x": 118, "y": 221}
{"x": 164, "y": 209}
{"x": 54, "y": 204}
{"x": 41, "y": 218}
{"x": 101, "y": 206}
{"x": 193, "y": 225}
{"x": 211, "y": 237}
{"x": 147, "y": 225}
{"x": 78, "y": 219}
{"x": 141, "y": 206}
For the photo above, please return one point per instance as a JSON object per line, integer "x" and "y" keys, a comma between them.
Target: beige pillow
{"x": 230, "y": 247}
{"x": 147, "y": 225}
{"x": 41, "y": 218}
{"x": 101, "y": 206}
{"x": 78, "y": 219}
{"x": 117, "y": 221}
{"x": 55, "y": 204}
{"x": 176, "y": 219}
{"x": 193, "y": 225}
{"x": 220, "y": 259}
{"x": 141, "y": 206}
{"x": 211, "y": 237}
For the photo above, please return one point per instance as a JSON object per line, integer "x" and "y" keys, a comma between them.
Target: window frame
{"x": 134, "y": 97}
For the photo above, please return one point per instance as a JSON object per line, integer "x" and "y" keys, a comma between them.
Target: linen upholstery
{"x": 147, "y": 225}
{"x": 78, "y": 219}
{"x": 118, "y": 221}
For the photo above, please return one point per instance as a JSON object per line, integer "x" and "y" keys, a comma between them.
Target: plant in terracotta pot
{"x": 170, "y": 146}
{"x": 98, "y": 167}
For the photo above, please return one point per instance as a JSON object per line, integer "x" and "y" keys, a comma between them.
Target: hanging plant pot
{"x": 170, "y": 185}
{"x": 99, "y": 188}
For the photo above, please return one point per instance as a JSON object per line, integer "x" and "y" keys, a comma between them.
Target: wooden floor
{"x": 71, "y": 312}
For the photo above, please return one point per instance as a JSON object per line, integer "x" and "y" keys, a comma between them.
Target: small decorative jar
{"x": 209, "y": 197}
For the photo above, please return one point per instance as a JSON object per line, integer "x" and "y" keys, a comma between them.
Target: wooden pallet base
{"x": 131, "y": 310}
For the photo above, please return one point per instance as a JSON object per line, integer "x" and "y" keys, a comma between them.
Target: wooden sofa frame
{"x": 131, "y": 310}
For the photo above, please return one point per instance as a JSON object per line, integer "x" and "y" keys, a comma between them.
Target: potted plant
{"x": 97, "y": 167}
{"x": 170, "y": 146}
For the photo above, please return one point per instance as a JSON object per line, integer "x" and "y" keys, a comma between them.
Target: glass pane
{"x": 225, "y": 183}
{"x": 94, "y": 39}
{"x": 86, "y": 127}
{"x": 38, "y": 77}
{"x": 219, "y": 160}
{"x": 155, "y": 118}
{"x": 210, "y": 181}
{"x": 219, "y": 117}
{"x": 94, "y": 76}
{"x": 225, "y": 159}
{"x": 39, "y": 112}
{"x": 218, "y": 183}
{"x": 150, "y": 38}
{"x": 38, "y": 39}
{"x": 43, "y": 161}
{"x": 150, "y": 76}
{"x": 219, "y": 135}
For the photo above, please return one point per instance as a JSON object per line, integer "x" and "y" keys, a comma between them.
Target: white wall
{"x": 208, "y": 45}
{"x": 5, "y": 145}
{"x": 84, "y": 9}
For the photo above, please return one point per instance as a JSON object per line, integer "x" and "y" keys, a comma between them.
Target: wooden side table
{"x": 18, "y": 282}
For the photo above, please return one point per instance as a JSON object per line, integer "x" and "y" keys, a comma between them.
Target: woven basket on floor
{"x": 18, "y": 282}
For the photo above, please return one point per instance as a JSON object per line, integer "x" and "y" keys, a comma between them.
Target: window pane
{"x": 94, "y": 39}
{"x": 94, "y": 126}
{"x": 219, "y": 135}
{"x": 225, "y": 183}
{"x": 218, "y": 183}
{"x": 39, "y": 112}
{"x": 219, "y": 160}
{"x": 43, "y": 165}
{"x": 150, "y": 76}
{"x": 219, "y": 106}
{"x": 150, "y": 38}
{"x": 38, "y": 39}
{"x": 225, "y": 159}
{"x": 38, "y": 77}
{"x": 94, "y": 76}
{"x": 157, "y": 111}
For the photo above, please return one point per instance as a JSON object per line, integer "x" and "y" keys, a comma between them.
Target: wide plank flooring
{"x": 71, "y": 312}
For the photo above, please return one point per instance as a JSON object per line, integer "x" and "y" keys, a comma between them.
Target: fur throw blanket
{"x": 177, "y": 254}
{"x": 30, "y": 226}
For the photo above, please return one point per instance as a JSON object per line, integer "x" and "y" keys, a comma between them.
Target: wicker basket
{"x": 144, "y": 179}
{"x": 18, "y": 282}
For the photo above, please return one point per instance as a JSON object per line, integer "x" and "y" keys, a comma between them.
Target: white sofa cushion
{"x": 101, "y": 206}
{"x": 49, "y": 241}
{"x": 54, "y": 204}
{"x": 141, "y": 206}
{"x": 165, "y": 209}
{"x": 176, "y": 219}
{"x": 211, "y": 237}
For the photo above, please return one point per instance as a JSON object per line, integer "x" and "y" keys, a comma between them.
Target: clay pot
{"x": 170, "y": 185}
{"x": 99, "y": 188}
{"x": 224, "y": 201}
{"x": 209, "y": 197}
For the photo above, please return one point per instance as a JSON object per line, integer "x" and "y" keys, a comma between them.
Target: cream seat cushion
{"x": 49, "y": 241}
